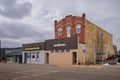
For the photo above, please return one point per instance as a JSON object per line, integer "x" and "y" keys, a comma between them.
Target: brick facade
{"x": 71, "y": 21}
{"x": 96, "y": 39}
{"x": 70, "y": 43}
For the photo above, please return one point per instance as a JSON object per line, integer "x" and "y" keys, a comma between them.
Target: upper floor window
{"x": 78, "y": 28}
{"x": 68, "y": 31}
{"x": 59, "y": 31}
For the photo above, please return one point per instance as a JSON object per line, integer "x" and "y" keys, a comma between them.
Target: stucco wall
{"x": 61, "y": 57}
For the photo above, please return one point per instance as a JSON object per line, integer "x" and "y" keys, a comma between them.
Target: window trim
{"x": 68, "y": 29}
{"x": 59, "y": 31}
{"x": 78, "y": 26}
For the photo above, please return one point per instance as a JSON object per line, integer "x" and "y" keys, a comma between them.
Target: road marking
{"x": 49, "y": 72}
{"x": 31, "y": 70}
{"x": 16, "y": 78}
{"x": 34, "y": 75}
{"x": 25, "y": 77}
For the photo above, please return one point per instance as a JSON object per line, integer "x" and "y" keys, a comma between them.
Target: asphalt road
{"x": 53, "y": 72}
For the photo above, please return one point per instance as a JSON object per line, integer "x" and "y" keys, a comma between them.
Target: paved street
{"x": 53, "y": 72}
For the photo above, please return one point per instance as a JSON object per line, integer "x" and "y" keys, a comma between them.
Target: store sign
{"x": 59, "y": 45}
{"x": 16, "y": 51}
{"x": 8, "y": 51}
{"x": 32, "y": 48}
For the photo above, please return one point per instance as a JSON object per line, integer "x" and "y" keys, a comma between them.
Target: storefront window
{"x": 33, "y": 56}
{"x": 28, "y": 56}
{"x": 37, "y": 55}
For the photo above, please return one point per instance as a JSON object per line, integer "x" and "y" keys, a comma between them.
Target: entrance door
{"x": 20, "y": 58}
{"x": 16, "y": 59}
{"x": 74, "y": 58}
{"x": 47, "y": 58}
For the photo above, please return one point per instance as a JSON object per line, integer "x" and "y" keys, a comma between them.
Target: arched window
{"x": 59, "y": 31}
{"x": 68, "y": 31}
{"x": 78, "y": 28}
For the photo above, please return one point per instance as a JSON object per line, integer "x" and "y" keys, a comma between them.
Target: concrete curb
{"x": 81, "y": 66}
{"x": 112, "y": 66}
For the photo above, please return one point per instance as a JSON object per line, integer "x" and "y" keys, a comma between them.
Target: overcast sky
{"x": 28, "y": 21}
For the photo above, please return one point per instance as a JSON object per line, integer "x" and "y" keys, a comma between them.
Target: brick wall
{"x": 71, "y": 21}
{"x": 70, "y": 43}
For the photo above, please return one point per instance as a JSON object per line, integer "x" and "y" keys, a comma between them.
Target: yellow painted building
{"x": 97, "y": 41}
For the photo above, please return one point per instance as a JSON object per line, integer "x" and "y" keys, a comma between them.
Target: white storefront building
{"x": 33, "y": 53}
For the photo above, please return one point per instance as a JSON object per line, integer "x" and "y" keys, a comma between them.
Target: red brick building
{"x": 70, "y": 26}
{"x": 97, "y": 42}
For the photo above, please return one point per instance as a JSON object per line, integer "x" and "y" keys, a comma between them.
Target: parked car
{"x": 118, "y": 58}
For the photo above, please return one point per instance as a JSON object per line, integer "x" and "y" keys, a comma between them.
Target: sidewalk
{"x": 91, "y": 66}
{"x": 82, "y": 66}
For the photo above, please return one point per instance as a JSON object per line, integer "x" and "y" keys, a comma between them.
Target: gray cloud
{"x": 11, "y": 9}
{"x": 16, "y": 30}
{"x": 10, "y": 44}
{"x": 103, "y": 13}
{"x": 19, "y": 33}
